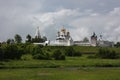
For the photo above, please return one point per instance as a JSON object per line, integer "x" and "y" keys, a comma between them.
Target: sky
{"x": 80, "y": 17}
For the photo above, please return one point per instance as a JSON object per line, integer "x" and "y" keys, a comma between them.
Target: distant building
{"x": 104, "y": 43}
{"x": 81, "y": 43}
{"x": 37, "y": 35}
{"x": 63, "y": 38}
{"x": 94, "y": 40}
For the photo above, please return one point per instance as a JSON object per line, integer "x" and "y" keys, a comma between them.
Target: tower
{"x": 64, "y": 38}
{"x": 94, "y": 40}
{"x": 37, "y": 35}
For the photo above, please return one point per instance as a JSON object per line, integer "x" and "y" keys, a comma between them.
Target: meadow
{"x": 60, "y": 74}
{"x": 72, "y": 68}
{"x": 82, "y": 61}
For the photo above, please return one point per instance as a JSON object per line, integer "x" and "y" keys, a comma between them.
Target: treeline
{"x": 105, "y": 53}
{"x": 28, "y": 51}
{"x": 29, "y": 39}
{"x": 31, "y": 51}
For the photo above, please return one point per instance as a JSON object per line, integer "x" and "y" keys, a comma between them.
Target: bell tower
{"x": 37, "y": 35}
{"x": 94, "y": 40}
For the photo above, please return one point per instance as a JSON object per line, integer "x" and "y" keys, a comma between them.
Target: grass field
{"x": 73, "y": 68}
{"x": 82, "y": 48}
{"x": 60, "y": 74}
{"x": 82, "y": 61}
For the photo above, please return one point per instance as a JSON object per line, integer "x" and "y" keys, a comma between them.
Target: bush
{"x": 77, "y": 54}
{"x": 11, "y": 52}
{"x": 26, "y": 57}
{"x": 91, "y": 56}
{"x": 39, "y": 56}
{"x": 36, "y": 50}
{"x": 45, "y": 56}
{"x": 69, "y": 51}
{"x": 57, "y": 55}
{"x": 38, "y": 53}
{"x": 107, "y": 54}
{"x": 1, "y": 54}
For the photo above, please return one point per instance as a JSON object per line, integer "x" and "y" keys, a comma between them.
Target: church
{"x": 63, "y": 38}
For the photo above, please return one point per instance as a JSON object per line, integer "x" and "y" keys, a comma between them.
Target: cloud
{"x": 81, "y": 18}
{"x": 15, "y": 18}
{"x": 81, "y": 24}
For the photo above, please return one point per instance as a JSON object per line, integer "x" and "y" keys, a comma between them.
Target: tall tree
{"x": 117, "y": 44}
{"x": 29, "y": 38}
{"x": 18, "y": 38}
{"x": 10, "y": 41}
{"x": 44, "y": 38}
{"x": 85, "y": 39}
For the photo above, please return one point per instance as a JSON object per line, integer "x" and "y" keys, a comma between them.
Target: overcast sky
{"x": 80, "y": 17}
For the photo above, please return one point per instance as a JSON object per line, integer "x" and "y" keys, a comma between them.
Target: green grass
{"x": 88, "y": 49}
{"x": 69, "y": 62}
{"x": 60, "y": 74}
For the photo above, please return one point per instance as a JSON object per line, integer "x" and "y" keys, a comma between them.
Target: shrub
{"x": 39, "y": 56}
{"x": 107, "y": 54}
{"x": 77, "y": 53}
{"x": 91, "y": 56}
{"x": 37, "y": 50}
{"x": 47, "y": 56}
{"x": 57, "y": 55}
{"x": 1, "y": 54}
{"x": 11, "y": 52}
{"x": 69, "y": 51}
{"x": 26, "y": 57}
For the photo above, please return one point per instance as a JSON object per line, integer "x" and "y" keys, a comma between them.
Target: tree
{"x": 107, "y": 54}
{"x": 57, "y": 55}
{"x": 18, "y": 38}
{"x": 10, "y": 41}
{"x": 85, "y": 39}
{"x": 69, "y": 51}
{"x": 1, "y": 54}
{"x": 117, "y": 44}
{"x": 11, "y": 52}
{"x": 37, "y": 40}
{"x": 44, "y": 38}
{"x": 29, "y": 38}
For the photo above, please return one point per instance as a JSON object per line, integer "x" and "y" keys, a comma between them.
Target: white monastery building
{"x": 63, "y": 38}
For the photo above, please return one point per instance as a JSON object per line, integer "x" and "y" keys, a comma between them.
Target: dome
{"x": 63, "y": 30}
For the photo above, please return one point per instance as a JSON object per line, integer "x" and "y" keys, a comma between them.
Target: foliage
{"x": 21, "y": 50}
{"x": 26, "y": 57}
{"x": 77, "y": 53}
{"x": 11, "y": 52}
{"x": 44, "y": 38}
{"x": 18, "y": 38}
{"x": 107, "y": 54}
{"x": 85, "y": 39}
{"x": 10, "y": 41}
{"x": 117, "y": 44}
{"x": 37, "y": 40}
{"x": 57, "y": 55}
{"x": 29, "y": 39}
{"x": 70, "y": 51}
{"x": 1, "y": 54}
{"x": 36, "y": 50}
